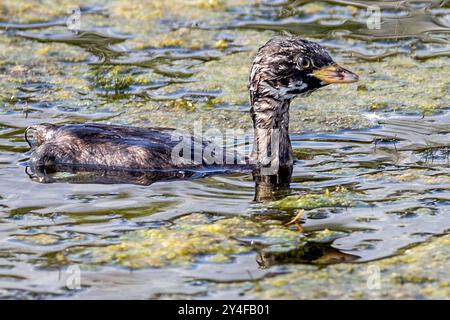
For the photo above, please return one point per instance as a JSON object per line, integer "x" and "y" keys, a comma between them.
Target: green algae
{"x": 35, "y": 11}
{"x": 189, "y": 239}
{"x": 279, "y": 234}
{"x": 182, "y": 104}
{"x": 419, "y": 176}
{"x": 111, "y": 79}
{"x": 338, "y": 198}
{"x": 200, "y": 237}
{"x": 115, "y": 78}
{"x": 182, "y": 243}
{"x": 39, "y": 239}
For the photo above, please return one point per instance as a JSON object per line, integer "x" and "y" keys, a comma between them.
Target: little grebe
{"x": 285, "y": 67}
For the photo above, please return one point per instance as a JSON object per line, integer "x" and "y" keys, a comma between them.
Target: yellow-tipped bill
{"x": 335, "y": 74}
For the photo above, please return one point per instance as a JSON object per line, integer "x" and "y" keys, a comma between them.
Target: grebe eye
{"x": 304, "y": 63}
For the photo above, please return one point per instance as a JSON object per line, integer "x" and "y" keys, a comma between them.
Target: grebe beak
{"x": 335, "y": 74}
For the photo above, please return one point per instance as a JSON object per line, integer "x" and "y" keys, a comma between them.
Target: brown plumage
{"x": 103, "y": 146}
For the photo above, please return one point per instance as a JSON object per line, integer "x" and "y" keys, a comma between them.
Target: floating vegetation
{"x": 39, "y": 239}
{"x": 182, "y": 104}
{"x": 183, "y": 242}
{"x": 418, "y": 176}
{"x": 340, "y": 197}
{"x": 171, "y": 42}
{"x": 111, "y": 78}
{"x": 198, "y": 237}
{"x": 221, "y": 44}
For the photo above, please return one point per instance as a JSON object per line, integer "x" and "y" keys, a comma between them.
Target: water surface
{"x": 373, "y": 158}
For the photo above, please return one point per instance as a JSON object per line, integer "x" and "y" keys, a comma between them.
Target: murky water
{"x": 373, "y": 159}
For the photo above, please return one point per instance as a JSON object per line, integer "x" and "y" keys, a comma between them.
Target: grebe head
{"x": 284, "y": 68}
{"x": 287, "y": 67}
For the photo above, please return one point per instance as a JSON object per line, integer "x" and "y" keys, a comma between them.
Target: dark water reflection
{"x": 396, "y": 172}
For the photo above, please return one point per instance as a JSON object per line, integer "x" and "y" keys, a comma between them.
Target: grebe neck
{"x": 272, "y": 146}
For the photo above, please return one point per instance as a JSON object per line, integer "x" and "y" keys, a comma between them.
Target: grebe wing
{"x": 108, "y": 146}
